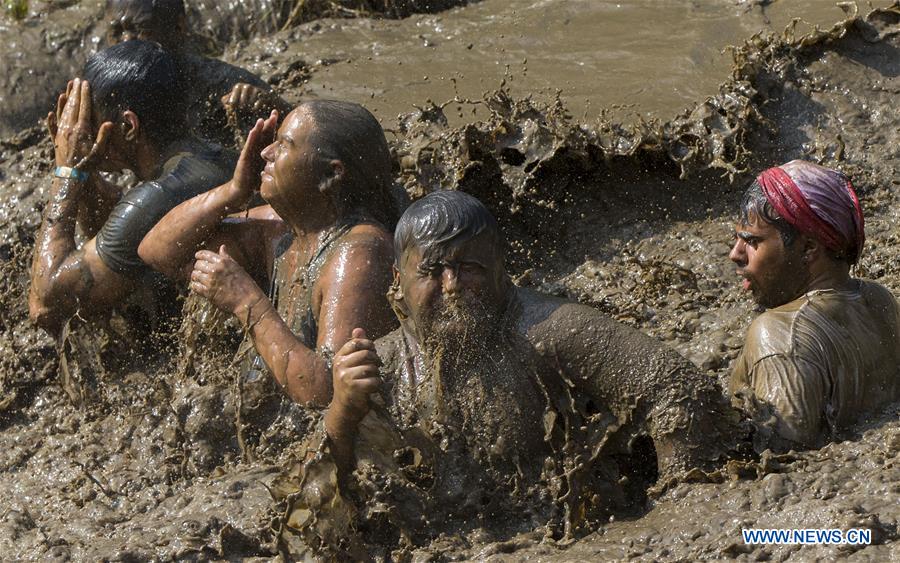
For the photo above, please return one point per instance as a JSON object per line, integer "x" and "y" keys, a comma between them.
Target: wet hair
{"x": 159, "y": 16}
{"x": 755, "y": 203}
{"x": 440, "y": 218}
{"x": 141, "y": 77}
{"x": 348, "y": 132}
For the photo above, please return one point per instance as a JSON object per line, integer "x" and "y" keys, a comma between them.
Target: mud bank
{"x": 169, "y": 455}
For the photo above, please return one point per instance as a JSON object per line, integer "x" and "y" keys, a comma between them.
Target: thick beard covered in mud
{"x": 486, "y": 408}
{"x": 458, "y": 334}
{"x": 478, "y": 383}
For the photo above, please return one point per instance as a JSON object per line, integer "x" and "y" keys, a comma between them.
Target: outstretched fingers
{"x": 271, "y": 125}
{"x": 252, "y": 146}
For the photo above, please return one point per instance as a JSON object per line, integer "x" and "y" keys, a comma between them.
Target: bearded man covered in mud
{"x": 214, "y": 88}
{"x": 826, "y": 353}
{"x": 493, "y": 410}
{"x": 127, "y": 112}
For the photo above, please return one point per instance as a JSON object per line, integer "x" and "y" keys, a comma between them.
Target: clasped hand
{"x": 355, "y": 376}
{"x": 219, "y": 278}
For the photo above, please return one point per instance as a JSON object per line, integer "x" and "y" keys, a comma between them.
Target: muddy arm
{"x": 170, "y": 246}
{"x": 356, "y": 377}
{"x": 643, "y": 383}
{"x": 63, "y": 277}
{"x": 795, "y": 391}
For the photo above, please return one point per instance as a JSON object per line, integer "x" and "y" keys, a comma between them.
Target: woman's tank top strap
{"x": 303, "y": 320}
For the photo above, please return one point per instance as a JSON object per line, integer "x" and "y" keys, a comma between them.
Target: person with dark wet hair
{"x": 126, "y": 112}
{"x": 826, "y": 352}
{"x": 492, "y": 406}
{"x": 321, "y": 246}
{"x": 214, "y": 88}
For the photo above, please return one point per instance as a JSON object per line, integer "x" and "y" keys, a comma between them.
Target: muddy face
{"x": 773, "y": 272}
{"x": 291, "y": 177}
{"x": 453, "y": 297}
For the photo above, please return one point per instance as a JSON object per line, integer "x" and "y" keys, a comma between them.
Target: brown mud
{"x": 170, "y": 453}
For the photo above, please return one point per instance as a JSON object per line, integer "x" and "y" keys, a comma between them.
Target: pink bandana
{"x": 819, "y": 202}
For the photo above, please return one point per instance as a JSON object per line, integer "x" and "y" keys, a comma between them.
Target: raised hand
{"x": 355, "y": 377}
{"x": 72, "y": 130}
{"x": 250, "y": 164}
{"x": 247, "y": 100}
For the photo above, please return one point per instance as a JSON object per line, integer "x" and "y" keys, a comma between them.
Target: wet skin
{"x": 770, "y": 271}
{"x": 776, "y": 274}
{"x": 289, "y": 173}
{"x": 64, "y": 278}
{"x": 465, "y": 268}
{"x": 649, "y": 388}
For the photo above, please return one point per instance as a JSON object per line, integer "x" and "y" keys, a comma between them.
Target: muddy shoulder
{"x": 126, "y": 454}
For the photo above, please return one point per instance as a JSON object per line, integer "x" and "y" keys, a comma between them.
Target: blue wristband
{"x": 69, "y": 172}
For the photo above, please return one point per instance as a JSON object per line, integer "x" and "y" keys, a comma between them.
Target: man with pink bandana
{"x": 826, "y": 353}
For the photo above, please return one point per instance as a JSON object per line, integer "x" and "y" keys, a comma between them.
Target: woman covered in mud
{"x": 322, "y": 245}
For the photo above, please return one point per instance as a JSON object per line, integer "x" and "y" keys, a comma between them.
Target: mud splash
{"x": 173, "y": 457}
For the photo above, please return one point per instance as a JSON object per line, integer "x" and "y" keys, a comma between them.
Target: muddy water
{"x": 171, "y": 459}
{"x": 650, "y": 56}
{"x": 642, "y": 56}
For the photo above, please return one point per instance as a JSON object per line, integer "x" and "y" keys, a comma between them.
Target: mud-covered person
{"x": 214, "y": 87}
{"x": 826, "y": 352}
{"x": 496, "y": 407}
{"x": 125, "y": 112}
{"x": 321, "y": 246}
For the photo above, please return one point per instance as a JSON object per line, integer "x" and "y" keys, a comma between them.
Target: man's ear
{"x": 396, "y": 292}
{"x": 131, "y": 126}
{"x": 334, "y": 176}
{"x": 395, "y": 297}
{"x": 812, "y": 249}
